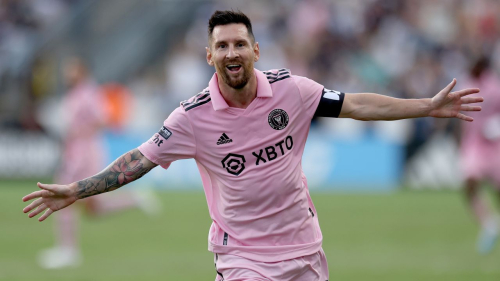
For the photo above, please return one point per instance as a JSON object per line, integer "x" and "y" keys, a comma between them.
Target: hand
{"x": 52, "y": 197}
{"x": 447, "y": 104}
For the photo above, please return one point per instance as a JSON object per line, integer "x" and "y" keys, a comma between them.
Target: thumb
{"x": 49, "y": 187}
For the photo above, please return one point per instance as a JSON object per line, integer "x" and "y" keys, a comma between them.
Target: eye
{"x": 241, "y": 44}
{"x": 222, "y": 46}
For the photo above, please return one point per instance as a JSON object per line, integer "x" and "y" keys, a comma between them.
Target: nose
{"x": 232, "y": 52}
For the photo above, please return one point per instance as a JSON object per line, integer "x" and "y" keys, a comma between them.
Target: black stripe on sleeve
{"x": 277, "y": 76}
{"x": 189, "y": 107}
{"x": 330, "y": 104}
{"x": 274, "y": 75}
{"x": 279, "y": 79}
{"x": 198, "y": 98}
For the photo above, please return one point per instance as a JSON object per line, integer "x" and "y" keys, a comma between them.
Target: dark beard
{"x": 239, "y": 83}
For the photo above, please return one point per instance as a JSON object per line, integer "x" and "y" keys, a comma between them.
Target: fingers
{"x": 466, "y": 92}
{"x": 33, "y": 195}
{"x": 450, "y": 86}
{"x": 466, "y": 100}
{"x": 38, "y": 210}
{"x": 47, "y": 190}
{"x": 46, "y": 215}
{"x": 49, "y": 187}
{"x": 465, "y": 117}
{"x": 470, "y": 108}
{"x": 33, "y": 205}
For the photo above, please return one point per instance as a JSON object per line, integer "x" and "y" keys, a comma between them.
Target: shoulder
{"x": 284, "y": 74}
{"x": 275, "y": 75}
{"x": 196, "y": 101}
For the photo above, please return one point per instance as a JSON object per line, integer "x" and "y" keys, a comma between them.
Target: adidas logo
{"x": 224, "y": 139}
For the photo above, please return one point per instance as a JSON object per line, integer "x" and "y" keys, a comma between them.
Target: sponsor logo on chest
{"x": 272, "y": 152}
{"x": 235, "y": 163}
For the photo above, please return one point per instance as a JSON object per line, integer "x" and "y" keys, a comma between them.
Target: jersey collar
{"x": 263, "y": 90}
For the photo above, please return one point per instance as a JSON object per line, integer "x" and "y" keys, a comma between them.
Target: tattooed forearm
{"x": 127, "y": 168}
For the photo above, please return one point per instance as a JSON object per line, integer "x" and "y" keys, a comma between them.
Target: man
{"x": 83, "y": 155}
{"x": 480, "y": 151}
{"x": 247, "y": 132}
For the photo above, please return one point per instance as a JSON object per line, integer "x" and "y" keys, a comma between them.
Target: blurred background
{"x": 397, "y": 212}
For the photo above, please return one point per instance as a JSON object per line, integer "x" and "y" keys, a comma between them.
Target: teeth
{"x": 233, "y": 65}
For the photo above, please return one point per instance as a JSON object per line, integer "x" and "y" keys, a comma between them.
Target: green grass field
{"x": 399, "y": 236}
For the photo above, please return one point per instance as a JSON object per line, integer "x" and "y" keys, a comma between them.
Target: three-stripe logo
{"x": 224, "y": 139}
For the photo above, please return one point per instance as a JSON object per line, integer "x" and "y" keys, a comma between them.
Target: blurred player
{"x": 247, "y": 131}
{"x": 480, "y": 152}
{"x": 83, "y": 156}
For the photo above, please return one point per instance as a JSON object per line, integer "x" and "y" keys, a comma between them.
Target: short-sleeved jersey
{"x": 250, "y": 164}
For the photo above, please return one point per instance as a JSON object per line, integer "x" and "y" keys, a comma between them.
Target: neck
{"x": 240, "y": 98}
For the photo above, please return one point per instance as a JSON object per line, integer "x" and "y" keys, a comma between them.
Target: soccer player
{"x": 83, "y": 155}
{"x": 480, "y": 153}
{"x": 247, "y": 132}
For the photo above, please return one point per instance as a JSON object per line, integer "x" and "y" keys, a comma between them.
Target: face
{"x": 233, "y": 54}
{"x": 73, "y": 71}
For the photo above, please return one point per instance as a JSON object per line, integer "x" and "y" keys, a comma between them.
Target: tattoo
{"x": 127, "y": 168}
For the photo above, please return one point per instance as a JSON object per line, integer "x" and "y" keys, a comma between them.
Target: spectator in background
{"x": 82, "y": 156}
{"x": 480, "y": 152}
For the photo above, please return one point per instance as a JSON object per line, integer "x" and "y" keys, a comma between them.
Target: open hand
{"x": 51, "y": 198}
{"x": 447, "y": 104}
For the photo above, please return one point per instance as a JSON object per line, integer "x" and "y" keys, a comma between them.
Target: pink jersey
{"x": 480, "y": 156}
{"x": 83, "y": 151}
{"x": 489, "y": 83}
{"x": 250, "y": 165}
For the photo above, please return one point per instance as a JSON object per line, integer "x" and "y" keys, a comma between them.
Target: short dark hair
{"x": 228, "y": 17}
{"x": 480, "y": 65}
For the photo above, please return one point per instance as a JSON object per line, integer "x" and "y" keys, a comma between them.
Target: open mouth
{"x": 233, "y": 67}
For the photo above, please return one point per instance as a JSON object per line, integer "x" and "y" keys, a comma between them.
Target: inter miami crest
{"x": 278, "y": 119}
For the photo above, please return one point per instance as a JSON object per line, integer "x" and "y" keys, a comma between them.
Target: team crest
{"x": 278, "y": 119}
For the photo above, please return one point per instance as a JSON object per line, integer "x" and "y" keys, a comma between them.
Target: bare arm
{"x": 367, "y": 106}
{"x": 53, "y": 197}
{"x": 445, "y": 104}
{"x": 127, "y": 168}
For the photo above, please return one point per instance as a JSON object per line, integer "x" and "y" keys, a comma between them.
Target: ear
{"x": 209, "y": 56}
{"x": 256, "y": 51}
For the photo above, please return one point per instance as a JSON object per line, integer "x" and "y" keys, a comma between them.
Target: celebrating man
{"x": 247, "y": 131}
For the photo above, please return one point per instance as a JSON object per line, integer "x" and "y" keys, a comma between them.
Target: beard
{"x": 237, "y": 82}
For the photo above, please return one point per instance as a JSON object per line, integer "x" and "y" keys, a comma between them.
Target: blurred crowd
{"x": 408, "y": 49}
{"x": 21, "y": 23}
{"x": 24, "y": 26}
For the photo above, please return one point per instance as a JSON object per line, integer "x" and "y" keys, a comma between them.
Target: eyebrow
{"x": 235, "y": 41}
{"x": 220, "y": 42}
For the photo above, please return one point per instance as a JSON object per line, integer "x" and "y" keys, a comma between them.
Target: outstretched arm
{"x": 53, "y": 197}
{"x": 445, "y": 104}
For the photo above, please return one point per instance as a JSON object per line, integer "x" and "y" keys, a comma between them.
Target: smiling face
{"x": 233, "y": 53}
